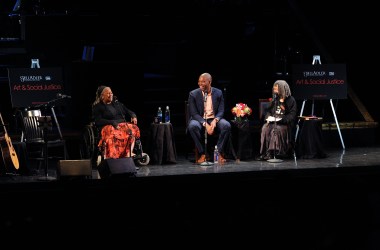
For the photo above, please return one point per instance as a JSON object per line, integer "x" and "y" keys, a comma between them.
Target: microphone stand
{"x": 205, "y": 163}
{"x": 129, "y": 131}
{"x": 125, "y": 121}
{"x": 47, "y": 125}
{"x": 275, "y": 160}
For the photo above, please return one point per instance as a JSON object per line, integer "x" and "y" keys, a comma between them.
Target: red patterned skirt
{"x": 117, "y": 143}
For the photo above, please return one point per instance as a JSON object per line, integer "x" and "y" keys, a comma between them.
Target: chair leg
{"x": 40, "y": 163}
{"x": 65, "y": 154}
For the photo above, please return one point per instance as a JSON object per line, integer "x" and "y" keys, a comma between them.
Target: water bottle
{"x": 167, "y": 114}
{"x": 159, "y": 115}
{"x": 216, "y": 154}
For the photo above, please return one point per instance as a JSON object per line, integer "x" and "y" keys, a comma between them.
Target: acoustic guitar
{"x": 8, "y": 152}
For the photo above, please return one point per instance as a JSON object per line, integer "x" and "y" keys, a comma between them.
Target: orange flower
{"x": 241, "y": 110}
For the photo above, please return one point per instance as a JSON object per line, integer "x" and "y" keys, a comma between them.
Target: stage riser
{"x": 68, "y": 169}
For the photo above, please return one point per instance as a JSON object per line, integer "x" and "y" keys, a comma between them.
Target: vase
{"x": 241, "y": 122}
{"x": 240, "y": 119}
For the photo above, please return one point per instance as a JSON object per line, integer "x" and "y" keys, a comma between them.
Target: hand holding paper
{"x": 271, "y": 119}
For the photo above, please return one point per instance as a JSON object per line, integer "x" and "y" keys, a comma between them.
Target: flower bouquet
{"x": 241, "y": 112}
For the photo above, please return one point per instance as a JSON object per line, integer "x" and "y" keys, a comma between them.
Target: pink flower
{"x": 241, "y": 110}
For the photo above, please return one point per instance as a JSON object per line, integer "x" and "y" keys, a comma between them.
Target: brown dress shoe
{"x": 201, "y": 159}
{"x": 221, "y": 159}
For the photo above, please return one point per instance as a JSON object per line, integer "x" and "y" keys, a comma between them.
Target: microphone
{"x": 115, "y": 99}
{"x": 59, "y": 95}
{"x": 206, "y": 96}
{"x": 275, "y": 96}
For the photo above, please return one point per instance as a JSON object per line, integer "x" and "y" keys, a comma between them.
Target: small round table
{"x": 162, "y": 146}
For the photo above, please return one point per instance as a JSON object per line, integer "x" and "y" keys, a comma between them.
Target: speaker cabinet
{"x": 74, "y": 168}
{"x": 122, "y": 167}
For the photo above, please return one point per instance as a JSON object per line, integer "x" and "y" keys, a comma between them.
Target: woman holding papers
{"x": 277, "y": 133}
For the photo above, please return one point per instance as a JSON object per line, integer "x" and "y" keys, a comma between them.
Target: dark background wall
{"x": 152, "y": 52}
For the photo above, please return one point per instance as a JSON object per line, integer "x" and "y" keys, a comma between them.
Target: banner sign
{"x": 31, "y": 87}
{"x": 327, "y": 81}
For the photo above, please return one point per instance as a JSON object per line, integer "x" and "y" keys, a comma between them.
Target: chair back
{"x": 263, "y": 107}
{"x": 34, "y": 124}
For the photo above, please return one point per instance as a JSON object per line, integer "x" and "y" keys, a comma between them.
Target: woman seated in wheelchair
{"x": 117, "y": 136}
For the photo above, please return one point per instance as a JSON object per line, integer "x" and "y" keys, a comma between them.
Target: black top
{"x": 110, "y": 114}
{"x": 288, "y": 112}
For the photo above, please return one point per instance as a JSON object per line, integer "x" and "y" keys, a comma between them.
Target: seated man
{"x": 206, "y": 108}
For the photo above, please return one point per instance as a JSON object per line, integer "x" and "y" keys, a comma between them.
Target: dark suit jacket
{"x": 196, "y": 104}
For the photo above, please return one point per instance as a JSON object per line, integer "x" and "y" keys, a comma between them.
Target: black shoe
{"x": 267, "y": 157}
{"x": 259, "y": 158}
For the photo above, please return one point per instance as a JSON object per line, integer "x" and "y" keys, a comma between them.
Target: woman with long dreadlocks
{"x": 277, "y": 137}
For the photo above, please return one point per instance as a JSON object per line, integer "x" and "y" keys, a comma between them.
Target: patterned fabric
{"x": 117, "y": 142}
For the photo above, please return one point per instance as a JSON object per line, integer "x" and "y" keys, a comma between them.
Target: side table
{"x": 242, "y": 141}
{"x": 309, "y": 143}
{"x": 162, "y": 144}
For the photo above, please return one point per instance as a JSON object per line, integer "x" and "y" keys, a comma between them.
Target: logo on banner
{"x": 34, "y": 86}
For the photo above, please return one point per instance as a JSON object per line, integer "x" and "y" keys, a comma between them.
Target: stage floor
{"x": 337, "y": 158}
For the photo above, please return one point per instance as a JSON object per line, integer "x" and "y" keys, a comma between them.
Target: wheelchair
{"x": 90, "y": 149}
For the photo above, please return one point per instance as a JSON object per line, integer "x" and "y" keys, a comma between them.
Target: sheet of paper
{"x": 271, "y": 119}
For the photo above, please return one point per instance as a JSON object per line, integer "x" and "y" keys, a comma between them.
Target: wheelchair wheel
{"x": 88, "y": 148}
{"x": 143, "y": 160}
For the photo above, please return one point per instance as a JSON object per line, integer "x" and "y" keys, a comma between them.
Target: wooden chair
{"x": 36, "y": 133}
{"x": 263, "y": 106}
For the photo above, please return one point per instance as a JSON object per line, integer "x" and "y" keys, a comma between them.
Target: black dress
{"x": 278, "y": 137}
